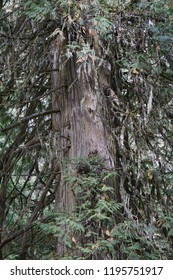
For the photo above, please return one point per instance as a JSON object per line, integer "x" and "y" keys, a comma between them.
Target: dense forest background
{"x": 86, "y": 129}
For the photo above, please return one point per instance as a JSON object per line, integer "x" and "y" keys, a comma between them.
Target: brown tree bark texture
{"x": 80, "y": 129}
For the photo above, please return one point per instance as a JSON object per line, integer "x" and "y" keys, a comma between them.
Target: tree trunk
{"x": 81, "y": 128}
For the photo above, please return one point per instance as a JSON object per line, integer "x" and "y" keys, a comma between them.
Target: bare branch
{"x": 28, "y": 118}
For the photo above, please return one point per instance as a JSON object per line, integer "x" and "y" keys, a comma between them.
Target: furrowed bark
{"x": 80, "y": 129}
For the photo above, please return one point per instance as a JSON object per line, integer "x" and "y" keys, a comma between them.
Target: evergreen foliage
{"x": 136, "y": 39}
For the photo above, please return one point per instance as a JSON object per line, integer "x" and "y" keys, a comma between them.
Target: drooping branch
{"x": 28, "y": 118}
